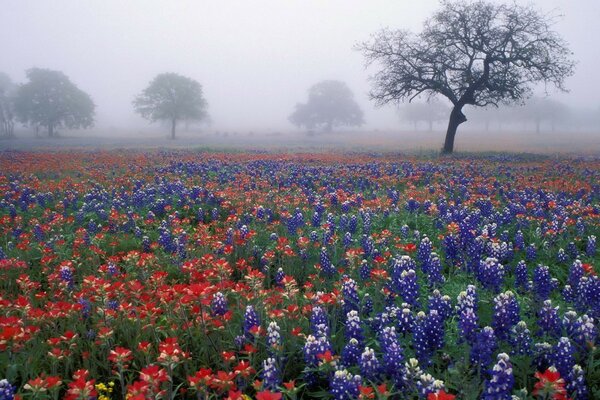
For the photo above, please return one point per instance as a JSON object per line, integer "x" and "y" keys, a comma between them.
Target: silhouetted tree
{"x": 172, "y": 97}
{"x": 475, "y": 53}
{"x": 7, "y": 123}
{"x": 429, "y": 112}
{"x": 330, "y": 104}
{"x": 51, "y": 100}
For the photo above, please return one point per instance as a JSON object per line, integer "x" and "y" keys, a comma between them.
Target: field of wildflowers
{"x": 180, "y": 274}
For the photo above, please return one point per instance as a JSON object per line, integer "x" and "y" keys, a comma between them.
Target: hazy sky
{"x": 255, "y": 59}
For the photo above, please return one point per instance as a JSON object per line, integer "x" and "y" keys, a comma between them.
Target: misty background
{"x": 254, "y": 59}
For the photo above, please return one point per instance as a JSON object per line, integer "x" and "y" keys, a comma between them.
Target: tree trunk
{"x": 51, "y": 130}
{"x": 456, "y": 118}
{"x": 173, "y": 125}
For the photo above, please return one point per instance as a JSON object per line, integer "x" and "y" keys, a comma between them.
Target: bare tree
{"x": 473, "y": 53}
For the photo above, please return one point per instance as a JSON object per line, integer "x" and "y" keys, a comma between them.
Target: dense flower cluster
{"x": 183, "y": 274}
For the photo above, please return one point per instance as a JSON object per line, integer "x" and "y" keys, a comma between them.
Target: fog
{"x": 254, "y": 59}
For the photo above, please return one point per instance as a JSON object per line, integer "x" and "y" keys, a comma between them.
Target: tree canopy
{"x": 51, "y": 100}
{"x": 474, "y": 53}
{"x": 172, "y": 97}
{"x": 330, "y": 104}
{"x": 7, "y": 88}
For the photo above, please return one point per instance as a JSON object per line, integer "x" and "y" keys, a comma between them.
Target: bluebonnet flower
{"x": 345, "y": 386}
{"x": 561, "y": 256}
{"x": 393, "y": 356}
{"x": 427, "y": 384}
{"x": 506, "y": 314}
{"x": 563, "y": 357}
{"x": 146, "y": 245}
{"x": 350, "y": 295}
{"x": 467, "y": 325}
{"x": 219, "y": 304}
{"x": 7, "y": 391}
{"x": 318, "y": 318}
{"x": 406, "y": 320}
{"x": 327, "y": 268}
{"x": 273, "y": 337}
{"x": 521, "y": 276}
{"x": 428, "y": 335}
{"x": 409, "y": 287}
{"x": 500, "y": 384}
{"x": 588, "y": 295}
{"x": 491, "y": 274}
{"x": 348, "y": 242}
{"x": 576, "y": 386}
{"x": 542, "y": 282}
{"x": 250, "y": 321}
{"x": 530, "y": 252}
{"x": 519, "y": 240}
{"x": 548, "y": 320}
{"x": 313, "y": 347}
{"x": 467, "y": 299}
{"x": 271, "y": 375}
{"x": 351, "y": 353}
{"x": 279, "y": 276}
{"x": 484, "y": 346}
{"x": 576, "y": 272}
{"x": 370, "y": 368}
{"x": 441, "y": 304}
{"x": 434, "y": 271}
{"x": 424, "y": 250}
{"x": 66, "y": 275}
{"x": 2, "y": 254}
{"x": 520, "y": 339}
{"x": 572, "y": 250}
{"x": 354, "y": 329}
{"x": 543, "y": 356}
{"x": 590, "y": 247}
{"x": 365, "y": 270}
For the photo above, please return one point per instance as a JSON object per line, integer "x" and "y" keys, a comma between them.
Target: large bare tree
{"x": 474, "y": 53}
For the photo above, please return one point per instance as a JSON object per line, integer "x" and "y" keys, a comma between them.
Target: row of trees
{"x": 538, "y": 113}
{"x": 472, "y": 53}
{"x": 49, "y": 100}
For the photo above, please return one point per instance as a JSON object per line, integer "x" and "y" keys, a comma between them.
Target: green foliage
{"x": 51, "y": 100}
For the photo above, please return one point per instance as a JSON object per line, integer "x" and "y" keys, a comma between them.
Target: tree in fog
{"x": 7, "y": 123}
{"x": 330, "y": 104}
{"x": 50, "y": 100}
{"x": 173, "y": 98}
{"x": 428, "y": 112}
{"x": 538, "y": 110}
{"x": 476, "y": 53}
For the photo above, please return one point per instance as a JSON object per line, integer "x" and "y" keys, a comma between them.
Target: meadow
{"x": 265, "y": 275}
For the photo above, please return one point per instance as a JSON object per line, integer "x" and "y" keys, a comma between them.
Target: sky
{"x": 254, "y": 58}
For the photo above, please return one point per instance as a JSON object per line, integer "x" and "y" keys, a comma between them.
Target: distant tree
{"x": 475, "y": 53}
{"x": 52, "y": 101}
{"x": 172, "y": 97}
{"x": 539, "y": 109}
{"x": 428, "y": 112}
{"x": 330, "y": 104}
{"x": 7, "y": 122}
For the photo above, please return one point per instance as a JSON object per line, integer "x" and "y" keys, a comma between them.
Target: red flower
{"x": 550, "y": 385}
{"x": 120, "y": 356}
{"x": 267, "y": 395}
{"x": 440, "y": 395}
